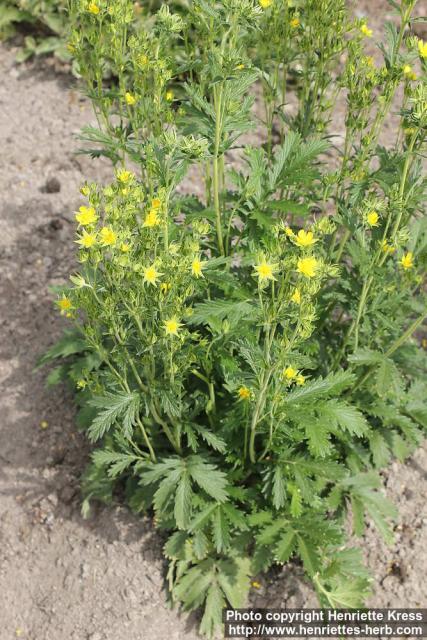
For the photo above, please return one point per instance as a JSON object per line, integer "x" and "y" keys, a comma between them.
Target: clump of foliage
{"x": 45, "y": 24}
{"x": 243, "y": 341}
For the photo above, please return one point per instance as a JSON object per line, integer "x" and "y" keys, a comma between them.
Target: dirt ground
{"x": 63, "y": 578}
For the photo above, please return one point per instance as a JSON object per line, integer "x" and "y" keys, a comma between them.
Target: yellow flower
{"x": 172, "y": 326}
{"x": 422, "y": 48}
{"x": 156, "y": 203}
{"x": 151, "y": 275}
{"x": 307, "y": 267}
{"x": 196, "y": 268}
{"x": 366, "y": 30}
{"x": 409, "y": 72}
{"x": 289, "y": 232}
{"x": 244, "y": 393}
{"x": 169, "y": 96}
{"x": 300, "y": 380}
{"x": 85, "y": 190}
{"x": 256, "y": 585}
{"x": 407, "y": 260}
{"x": 265, "y": 3}
{"x": 295, "y": 23}
{"x": 86, "y": 216}
{"x": 290, "y": 373}
{"x": 125, "y": 247}
{"x": 387, "y": 248}
{"x": 93, "y": 8}
{"x": 372, "y": 219}
{"x": 124, "y": 176}
{"x": 130, "y": 99}
{"x": 305, "y": 238}
{"x": 87, "y": 240}
{"x": 239, "y": 67}
{"x": 65, "y": 304}
{"x": 265, "y": 271}
{"x": 152, "y": 219}
{"x": 296, "y": 296}
{"x": 108, "y": 237}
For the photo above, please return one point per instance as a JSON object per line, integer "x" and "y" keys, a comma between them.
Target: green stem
{"x": 209, "y": 384}
{"x": 258, "y": 408}
{"x": 405, "y": 172}
{"x": 342, "y": 244}
{"x": 216, "y": 187}
{"x": 362, "y": 303}
{"x": 165, "y": 427}
{"x": 147, "y": 439}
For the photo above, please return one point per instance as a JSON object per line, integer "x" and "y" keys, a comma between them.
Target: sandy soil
{"x": 63, "y": 578}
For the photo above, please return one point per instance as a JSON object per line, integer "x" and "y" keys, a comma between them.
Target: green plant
{"x": 45, "y": 25}
{"x": 243, "y": 351}
{"x": 44, "y": 19}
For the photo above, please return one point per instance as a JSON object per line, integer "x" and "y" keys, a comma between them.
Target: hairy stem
{"x": 216, "y": 168}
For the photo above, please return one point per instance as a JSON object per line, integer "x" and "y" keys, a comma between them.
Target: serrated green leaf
{"x": 285, "y": 546}
{"x": 317, "y": 434}
{"x": 296, "y": 502}
{"x": 332, "y": 384}
{"x": 260, "y": 518}
{"x": 57, "y": 375}
{"x": 219, "y": 310}
{"x": 348, "y": 594}
{"x": 116, "y": 462}
{"x": 379, "y": 449}
{"x": 309, "y": 556}
{"x": 175, "y": 545}
{"x": 262, "y": 559}
{"x": 279, "y": 488}
{"x": 289, "y": 206}
{"x": 345, "y": 416}
{"x": 212, "y": 439}
{"x": 236, "y": 518}
{"x": 208, "y": 477}
{"x": 269, "y": 533}
{"x": 387, "y": 378}
{"x": 203, "y": 517}
{"x": 212, "y": 615}
{"x": 200, "y": 545}
{"x": 220, "y": 530}
{"x": 183, "y": 499}
{"x": 70, "y": 343}
{"x": 166, "y": 491}
{"x": 234, "y": 580}
{"x": 113, "y": 406}
{"x": 400, "y": 447}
